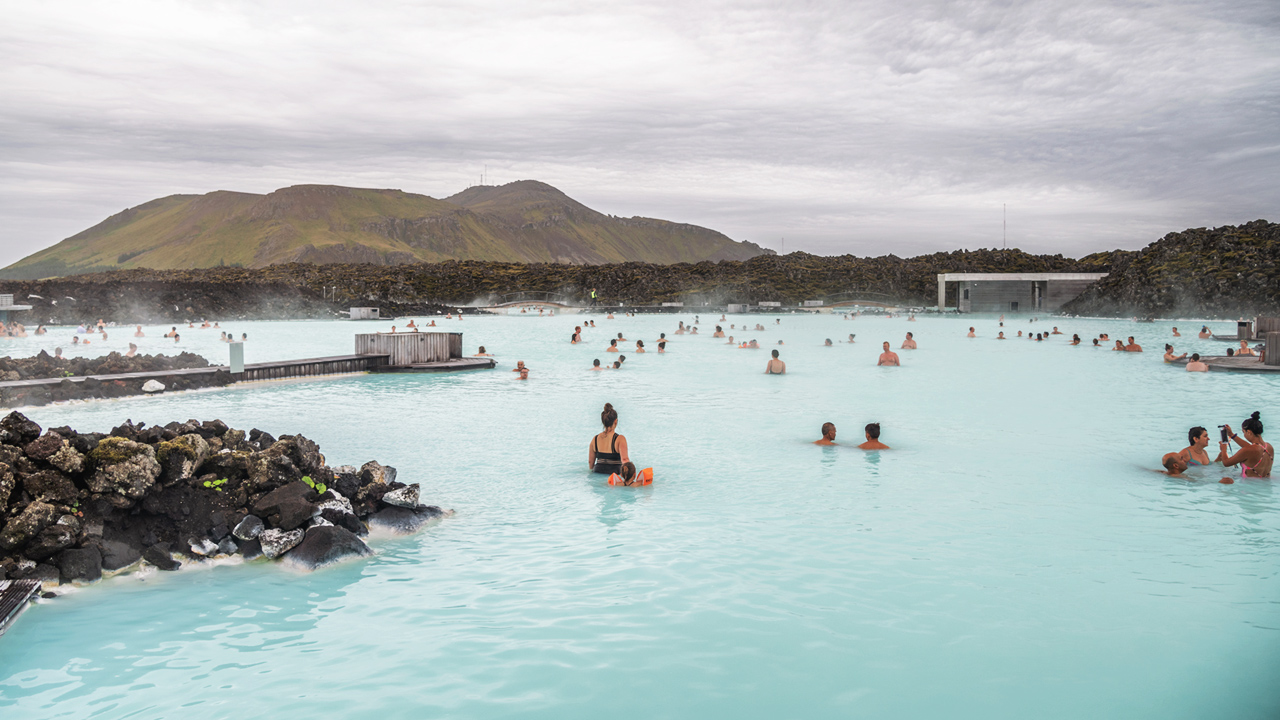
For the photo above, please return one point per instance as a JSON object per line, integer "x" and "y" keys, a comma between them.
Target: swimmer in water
{"x": 850, "y": 340}
{"x": 1095, "y": 343}
{"x": 1195, "y": 453}
{"x": 1255, "y": 456}
{"x": 872, "y": 431}
{"x": 719, "y": 333}
{"x": 1196, "y": 365}
{"x": 1244, "y": 348}
{"x": 1173, "y": 464}
{"x": 828, "y": 343}
{"x": 730, "y": 341}
{"x": 1169, "y": 356}
{"x": 613, "y": 346}
{"x": 753, "y": 345}
{"x": 639, "y": 346}
{"x": 1132, "y": 346}
{"x": 519, "y": 366}
{"x": 482, "y": 353}
{"x": 1055, "y": 331}
{"x": 909, "y": 343}
{"x": 662, "y": 347}
{"x": 1119, "y": 346}
{"x": 1204, "y": 332}
{"x": 1019, "y": 333}
{"x": 608, "y": 450}
{"x": 971, "y": 334}
{"x": 1039, "y": 338}
{"x": 888, "y": 357}
{"x": 595, "y": 364}
{"x": 1001, "y": 336}
{"x": 139, "y": 332}
{"x": 1176, "y": 333}
{"x": 617, "y": 365}
{"x": 133, "y": 350}
{"x": 662, "y": 337}
{"x": 176, "y": 338}
{"x": 620, "y": 338}
{"x": 1075, "y": 339}
{"x": 524, "y": 372}
{"x": 828, "y": 435}
{"x": 775, "y": 366}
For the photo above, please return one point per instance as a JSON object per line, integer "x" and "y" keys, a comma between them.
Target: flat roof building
{"x": 1014, "y": 292}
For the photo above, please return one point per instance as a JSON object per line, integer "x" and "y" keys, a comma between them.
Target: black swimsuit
{"x": 610, "y": 462}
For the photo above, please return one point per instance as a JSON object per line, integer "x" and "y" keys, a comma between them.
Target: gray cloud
{"x": 896, "y": 127}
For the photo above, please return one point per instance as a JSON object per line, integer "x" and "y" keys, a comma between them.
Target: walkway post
{"x": 237, "y": 357}
{"x": 942, "y": 292}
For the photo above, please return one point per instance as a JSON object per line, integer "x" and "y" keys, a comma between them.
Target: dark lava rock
{"x": 21, "y": 529}
{"x": 44, "y": 573}
{"x": 124, "y": 467}
{"x": 52, "y": 540}
{"x": 248, "y": 528}
{"x": 16, "y": 429}
{"x": 344, "y": 520}
{"x": 346, "y": 481}
{"x": 44, "y": 446}
{"x": 287, "y": 507}
{"x": 404, "y": 520}
{"x": 116, "y": 554}
{"x": 159, "y": 556}
{"x": 374, "y": 472}
{"x": 251, "y": 549}
{"x": 327, "y": 544}
{"x": 50, "y": 486}
{"x": 228, "y": 546}
{"x": 278, "y": 542}
{"x": 80, "y": 564}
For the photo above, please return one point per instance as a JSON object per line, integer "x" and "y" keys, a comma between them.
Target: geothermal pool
{"x": 1013, "y": 556}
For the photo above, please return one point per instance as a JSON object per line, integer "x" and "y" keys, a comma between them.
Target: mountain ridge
{"x": 523, "y": 221}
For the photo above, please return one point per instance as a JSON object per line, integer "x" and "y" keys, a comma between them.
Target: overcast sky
{"x": 865, "y": 127}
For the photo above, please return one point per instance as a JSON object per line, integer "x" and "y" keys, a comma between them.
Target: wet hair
{"x": 481, "y": 348}
{"x": 873, "y": 431}
{"x": 619, "y": 336}
{"x": 613, "y": 343}
{"x": 827, "y": 426}
{"x": 1194, "y": 433}
{"x": 595, "y": 363}
{"x": 1195, "y": 356}
{"x": 775, "y": 353}
{"x": 628, "y": 470}
{"x": 639, "y": 343}
{"x": 1231, "y": 352}
{"x": 616, "y": 364}
{"x": 1253, "y": 423}
{"x": 662, "y": 345}
{"x": 609, "y": 416}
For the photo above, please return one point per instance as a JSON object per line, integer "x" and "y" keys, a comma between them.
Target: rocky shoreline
{"x": 46, "y": 366}
{"x": 74, "y": 506}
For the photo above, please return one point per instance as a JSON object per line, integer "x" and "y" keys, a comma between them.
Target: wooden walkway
{"x": 14, "y": 596}
{"x": 280, "y": 370}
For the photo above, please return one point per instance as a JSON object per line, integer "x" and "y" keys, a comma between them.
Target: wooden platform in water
{"x": 1234, "y": 364}
{"x": 14, "y": 596}
{"x": 454, "y": 365}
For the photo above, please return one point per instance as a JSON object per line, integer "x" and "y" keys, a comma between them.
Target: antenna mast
{"x": 1004, "y": 208}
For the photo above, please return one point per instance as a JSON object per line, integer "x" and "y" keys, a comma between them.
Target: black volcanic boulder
{"x": 52, "y": 540}
{"x": 44, "y": 446}
{"x": 50, "y": 486}
{"x": 327, "y": 544}
{"x": 116, "y": 554}
{"x": 16, "y": 429}
{"x": 124, "y": 467}
{"x": 402, "y": 521}
{"x": 29, "y": 523}
{"x": 7, "y": 484}
{"x": 286, "y": 507}
{"x": 160, "y": 556}
{"x": 80, "y": 564}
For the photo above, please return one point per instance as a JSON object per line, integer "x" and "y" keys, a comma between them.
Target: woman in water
{"x": 1195, "y": 453}
{"x": 639, "y": 346}
{"x": 662, "y": 347}
{"x": 850, "y": 340}
{"x": 608, "y": 461}
{"x": 1255, "y": 456}
{"x": 1169, "y": 356}
{"x": 1119, "y": 346}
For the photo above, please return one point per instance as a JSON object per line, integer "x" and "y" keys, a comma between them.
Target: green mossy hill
{"x": 523, "y": 221}
{"x": 301, "y": 290}
{"x": 1224, "y": 272}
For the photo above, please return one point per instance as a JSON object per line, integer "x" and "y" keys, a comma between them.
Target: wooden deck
{"x": 14, "y": 596}
{"x": 454, "y": 365}
{"x": 1222, "y": 363}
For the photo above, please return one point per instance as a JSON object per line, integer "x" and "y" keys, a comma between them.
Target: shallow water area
{"x": 1014, "y": 555}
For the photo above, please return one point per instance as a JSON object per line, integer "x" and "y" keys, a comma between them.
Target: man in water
{"x": 873, "y": 438}
{"x": 1173, "y": 464}
{"x": 1196, "y": 365}
{"x": 1055, "y": 331}
{"x": 909, "y": 343}
{"x": 828, "y": 435}
{"x": 888, "y": 357}
{"x": 1176, "y": 333}
{"x": 1204, "y": 332}
{"x": 1169, "y": 356}
{"x": 1132, "y": 346}
{"x": 775, "y": 366}
{"x": 971, "y": 334}
{"x": 595, "y": 364}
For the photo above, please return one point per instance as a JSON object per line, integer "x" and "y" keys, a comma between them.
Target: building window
{"x": 966, "y": 293}
{"x": 1013, "y": 306}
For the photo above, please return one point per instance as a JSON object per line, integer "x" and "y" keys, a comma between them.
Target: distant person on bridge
{"x": 594, "y": 299}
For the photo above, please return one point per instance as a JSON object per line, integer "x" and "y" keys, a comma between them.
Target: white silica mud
{"x": 1014, "y": 555}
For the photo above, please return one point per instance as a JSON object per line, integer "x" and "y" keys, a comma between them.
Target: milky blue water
{"x": 1014, "y": 555}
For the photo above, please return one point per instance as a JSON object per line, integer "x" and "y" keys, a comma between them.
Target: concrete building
{"x": 7, "y": 307}
{"x": 1014, "y": 292}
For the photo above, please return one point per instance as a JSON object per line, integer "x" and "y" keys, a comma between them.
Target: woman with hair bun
{"x": 1255, "y": 456}
{"x": 607, "y": 462}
